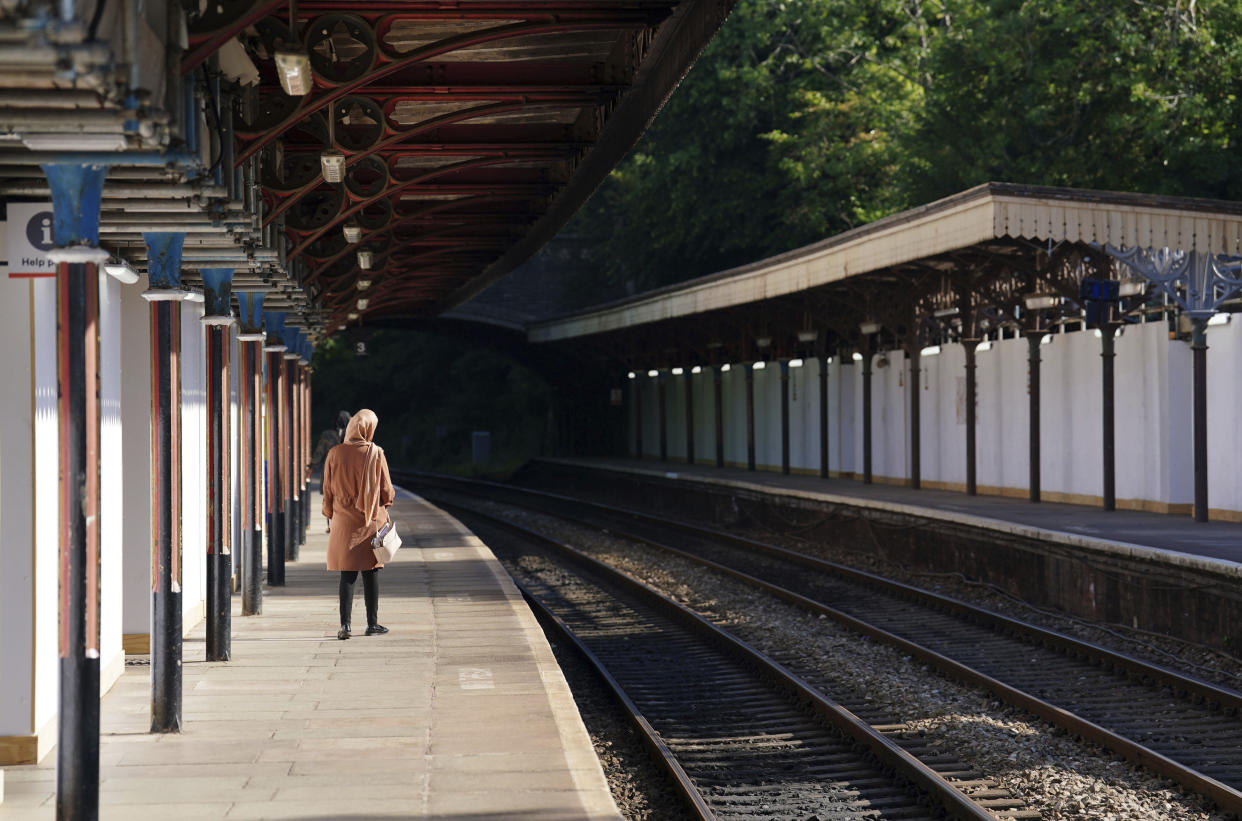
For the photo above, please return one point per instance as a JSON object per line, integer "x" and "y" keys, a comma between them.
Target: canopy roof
{"x": 996, "y": 224}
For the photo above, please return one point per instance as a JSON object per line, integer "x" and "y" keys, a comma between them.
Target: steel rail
{"x": 651, "y": 739}
{"x": 889, "y": 754}
{"x": 1225, "y": 796}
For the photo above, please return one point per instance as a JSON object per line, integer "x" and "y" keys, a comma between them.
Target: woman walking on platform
{"x": 357, "y": 492}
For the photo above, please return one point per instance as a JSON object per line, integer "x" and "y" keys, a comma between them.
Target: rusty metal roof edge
{"x": 987, "y": 189}
{"x": 677, "y": 45}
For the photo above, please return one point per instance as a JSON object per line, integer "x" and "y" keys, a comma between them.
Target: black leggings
{"x": 370, "y": 593}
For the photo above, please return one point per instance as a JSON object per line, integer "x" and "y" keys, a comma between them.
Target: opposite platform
{"x": 1170, "y": 539}
{"x": 460, "y": 712}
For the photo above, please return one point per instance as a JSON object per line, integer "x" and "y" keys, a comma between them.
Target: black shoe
{"x": 343, "y": 633}
{"x": 376, "y": 630}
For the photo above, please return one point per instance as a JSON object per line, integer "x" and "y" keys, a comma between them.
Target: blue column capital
{"x": 77, "y": 190}
{"x": 217, "y": 296}
{"x": 250, "y": 312}
{"x": 164, "y": 259}
{"x": 274, "y": 322}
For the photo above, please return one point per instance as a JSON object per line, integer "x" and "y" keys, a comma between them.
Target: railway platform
{"x": 1160, "y": 573}
{"x": 1166, "y": 537}
{"x": 460, "y": 712}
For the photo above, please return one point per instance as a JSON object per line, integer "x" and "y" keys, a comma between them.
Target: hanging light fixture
{"x": 363, "y": 284}
{"x": 352, "y": 231}
{"x": 294, "y": 70}
{"x": 364, "y": 260}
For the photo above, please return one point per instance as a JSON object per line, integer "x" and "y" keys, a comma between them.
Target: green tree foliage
{"x": 804, "y": 118}
{"x": 430, "y": 393}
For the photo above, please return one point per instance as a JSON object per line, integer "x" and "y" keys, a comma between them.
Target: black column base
{"x": 291, "y": 530}
{"x": 219, "y": 606}
{"x": 250, "y": 571}
{"x": 276, "y": 549}
{"x": 166, "y": 664}
{"x": 306, "y": 513}
{"x": 77, "y": 753}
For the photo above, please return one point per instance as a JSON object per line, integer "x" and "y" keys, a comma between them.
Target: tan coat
{"x": 349, "y": 542}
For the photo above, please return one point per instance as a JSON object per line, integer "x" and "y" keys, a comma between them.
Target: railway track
{"x": 1174, "y": 725}
{"x": 745, "y": 738}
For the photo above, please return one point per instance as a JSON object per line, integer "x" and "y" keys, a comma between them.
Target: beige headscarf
{"x": 360, "y": 431}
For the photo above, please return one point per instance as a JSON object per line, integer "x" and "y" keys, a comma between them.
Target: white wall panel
{"x": 17, "y": 538}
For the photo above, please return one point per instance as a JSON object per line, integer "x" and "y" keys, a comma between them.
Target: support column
{"x": 662, "y": 399}
{"x": 970, "y": 345}
{"x": 717, "y": 390}
{"x": 638, "y": 416}
{"x": 289, "y": 437}
{"x": 750, "y": 416}
{"x": 916, "y": 420}
{"x": 866, "y": 386}
{"x": 689, "y": 418}
{"x": 165, "y": 295}
{"x": 1109, "y": 431}
{"x": 1033, "y": 340}
{"x": 218, "y": 319}
{"x": 785, "y": 417}
{"x": 1198, "y": 349}
{"x": 250, "y": 412}
{"x": 307, "y": 438}
{"x": 76, "y": 192}
{"x": 274, "y": 322}
{"x": 823, "y": 417}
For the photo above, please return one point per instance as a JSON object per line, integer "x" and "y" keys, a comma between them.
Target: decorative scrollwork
{"x": 341, "y": 47}
{"x": 329, "y": 244}
{"x": 367, "y": 177}
{"x": 359, "y": 123}
{"x": 375, "y": 215}
{"x": 315, "y": 209}
{"x": 285, "y": 172}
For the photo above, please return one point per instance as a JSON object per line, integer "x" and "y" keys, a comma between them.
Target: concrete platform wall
{"x": 1154, "y": 466}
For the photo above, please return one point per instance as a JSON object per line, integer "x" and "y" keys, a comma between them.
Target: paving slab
{"x": 459, "y": 712}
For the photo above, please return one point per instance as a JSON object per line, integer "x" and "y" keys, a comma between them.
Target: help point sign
{"x": 30, "y": 237}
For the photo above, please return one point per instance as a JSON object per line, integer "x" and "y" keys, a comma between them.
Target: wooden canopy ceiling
{"x": 471, "y": 129}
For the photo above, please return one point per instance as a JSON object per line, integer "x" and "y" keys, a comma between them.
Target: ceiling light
{"x": 857, "y": 357}
{"x": 340, "y": 327}
{"x": 760, "y": 365}
{"x": 122, "y": 271}
{"x": 763, "y": 341}
{"x": 631, "y": 375}
{"x": 74, "y": 142}
{"x": 943, "y": 312}
{"x": 725, "y": 368}
{"x": 363, "y": 284}
{"x": 653, "y": 373}
{"x": 696, "y": 369}
{"x": 364, "y": 260}
{"x": 808, "y": 336}
{"x": 869, "y": 328}
{"x": 363, "y": 302}
{"x": 332, "y": 164}
{"x": 294, "y": 70}
{"x": 1038, "y": 301}
{"x": 353, "y": 232}
{"x": 351, "y": 315}
{"x": 985, "y": 345}
{"x": 930, "y": 350}
{"x": 795, "y": 363}
{"x": 678, "y": 371}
